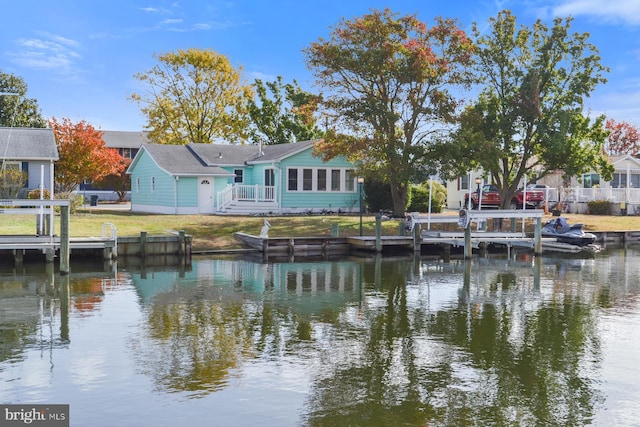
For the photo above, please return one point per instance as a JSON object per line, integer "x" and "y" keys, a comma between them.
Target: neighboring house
{"x": 240, "y": 179}
{"x": 623, "y": 190}
{"x": 127, "y": 143}
{"x": 32, "y": 151}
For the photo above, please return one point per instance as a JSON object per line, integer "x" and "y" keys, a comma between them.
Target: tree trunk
{"x": 399, "y": 192}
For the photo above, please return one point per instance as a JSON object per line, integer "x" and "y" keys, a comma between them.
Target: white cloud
{"x": 48, "y": 52}
{"x": 611, "y": 11}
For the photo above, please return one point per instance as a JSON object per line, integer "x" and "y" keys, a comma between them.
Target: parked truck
{"x": 491, "y": 198}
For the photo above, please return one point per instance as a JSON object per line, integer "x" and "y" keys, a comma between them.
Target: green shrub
{"x": 599, "y": 207}
{"x": 420, "y": 197}
{"x": 377, "y": 196}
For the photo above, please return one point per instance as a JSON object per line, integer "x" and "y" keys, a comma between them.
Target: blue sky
{"x": 78, "y": 57}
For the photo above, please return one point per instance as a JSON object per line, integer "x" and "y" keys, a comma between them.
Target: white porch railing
{"x": 246, "y": 193}
{"x": 614, "y": 195}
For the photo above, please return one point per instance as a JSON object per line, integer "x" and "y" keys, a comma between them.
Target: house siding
{"x": 154, "y": 190}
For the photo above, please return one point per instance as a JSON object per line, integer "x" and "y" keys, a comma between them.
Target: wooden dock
{"x": 419, "y": 239}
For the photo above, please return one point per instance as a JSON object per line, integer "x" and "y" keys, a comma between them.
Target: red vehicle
{"x": 491, "y": 198}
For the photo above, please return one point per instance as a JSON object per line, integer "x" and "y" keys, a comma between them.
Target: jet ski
{"x": 567, "y": 233}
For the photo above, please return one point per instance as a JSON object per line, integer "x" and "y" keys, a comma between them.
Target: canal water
{"x": 357, "y": 342}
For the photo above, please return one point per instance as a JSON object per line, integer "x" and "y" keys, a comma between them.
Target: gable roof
{"x": 177, "y": 160}
{"x": 124, "y": 139}
{"x": 208, "y": 159}
{"x": 627, "y": 158}
{"x": 27, "y": 144}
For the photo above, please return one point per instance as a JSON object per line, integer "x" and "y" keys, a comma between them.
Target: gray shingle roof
{"x": 208, "y": 159}
{"x": 179, "y": 160}
{"x": 124, "y": 139}
{"x": 27, "y": 144}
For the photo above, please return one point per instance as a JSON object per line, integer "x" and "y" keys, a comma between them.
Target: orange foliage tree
{"x": 623, "y": 138}
{"x": 83, "y": 154}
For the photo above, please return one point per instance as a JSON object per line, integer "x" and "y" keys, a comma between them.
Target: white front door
{"x": 205, "y": 195}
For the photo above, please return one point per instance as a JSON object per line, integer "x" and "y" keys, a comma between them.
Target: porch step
{"x": 249, "y": 208}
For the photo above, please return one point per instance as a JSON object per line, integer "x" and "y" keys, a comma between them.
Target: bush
{"x": 420, "y": 197}
{"x": 377, "y": 195}
{"x": 599, "y": 207}
{"x": 11, "y": 182}
{"x": 75, "y": 200}
{"x": 35, "y": 194}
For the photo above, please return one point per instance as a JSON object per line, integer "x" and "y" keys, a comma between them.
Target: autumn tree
{"x": 83, "y": 155}
{"x": 388, "y": 82}
{"x": 623, "y": 138}
{"x": 529, "y": 119}
{"x": 16, "y": 110}
{"x": 282, "y": 113}
{"x": 193, "y": 95}
{"x": 118, "y": 180}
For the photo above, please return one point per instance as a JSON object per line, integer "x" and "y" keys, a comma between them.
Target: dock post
{"x": 538, "y": 238}
{"x": 143, "y": 243}
{"x": 378, "y": 232}
{"x": 416, "y": 238}
{"x": 446, "y": 257}
{"x": 64, "y": 239}
{"x": 181, "y": 244}
{"x": 468, "y": 250}
{"x": 18, "y": 256}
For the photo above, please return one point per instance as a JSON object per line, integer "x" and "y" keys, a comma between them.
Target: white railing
{"x": 614, "y": 195}
{"x": 246, "y": 193}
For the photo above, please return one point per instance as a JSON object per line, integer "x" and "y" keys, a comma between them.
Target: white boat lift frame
{"x": 466, "y": 217}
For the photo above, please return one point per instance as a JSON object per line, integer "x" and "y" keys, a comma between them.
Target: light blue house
{"x": 240, "y": 179}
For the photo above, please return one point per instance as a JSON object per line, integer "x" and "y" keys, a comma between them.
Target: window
{"x": 319, "y": 179}
{"x": 238, "y": 179}
{"x": 322, "y": 180}
{"x": 620, "y": 180}
{"x": 590, "y": 180}
{"x": 349, "y": 180}
{"x": 269, "y": 177}
{"x": 12, "y": 166}
{"x": 307, "y": 179}
{"x": 153, "y": 184}
{"x": 335, "y": 179}
{"x": 137, "y": 184}
{"x": 292, "y": 180}
{"x": 463, "y": 182}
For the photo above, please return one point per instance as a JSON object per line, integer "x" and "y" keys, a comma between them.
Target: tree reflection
{"x": 199, "y": 341}
{"x": 489, "y": 360}
{"x": 495, "y": 352}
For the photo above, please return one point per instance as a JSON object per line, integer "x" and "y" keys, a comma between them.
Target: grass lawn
{"x": 212, "y": 232}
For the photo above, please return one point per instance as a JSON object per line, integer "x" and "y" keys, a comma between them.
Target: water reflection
{"x": 204, "y": 324}
{"x": 380, "y": 341}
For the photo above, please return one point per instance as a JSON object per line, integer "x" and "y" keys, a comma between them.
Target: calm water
{"x": 392, "y": 341}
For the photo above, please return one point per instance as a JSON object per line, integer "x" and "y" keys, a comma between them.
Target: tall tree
{"x": 193, "y": 95}
{"x": 282, "y": 113}
{"x": 623, "y": 138}
{"x": 83, "y": 154}
{"x": 529, "y": 118}
{"x": 389, "y": 79}
{"x": 16, "y": 110}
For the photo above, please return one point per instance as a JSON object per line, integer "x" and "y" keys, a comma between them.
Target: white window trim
{"x": 328, "y": 180}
